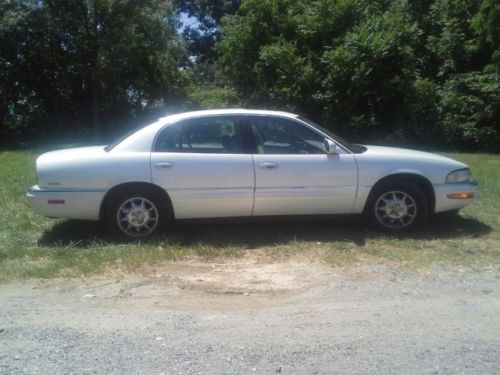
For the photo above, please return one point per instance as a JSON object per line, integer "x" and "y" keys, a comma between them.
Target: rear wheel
{"x": 397, "y": 207}
{"x": 137, "y": 214}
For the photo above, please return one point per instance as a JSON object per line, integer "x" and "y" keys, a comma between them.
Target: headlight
{"x": 462, "y": 175}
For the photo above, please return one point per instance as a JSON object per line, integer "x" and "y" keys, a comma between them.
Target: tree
{"x": 341, "y": 61}
{"x": 73, "y": 63}
{"x": 471, "y": 110}
{"x": 22, "y": 42}
{"x": 202, "y": 36}
{"x": 420, "y": 72}
{"x": 377, "y": 69}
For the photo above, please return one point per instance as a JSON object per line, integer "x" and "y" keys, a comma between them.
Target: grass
{"x": 32, "y": 246}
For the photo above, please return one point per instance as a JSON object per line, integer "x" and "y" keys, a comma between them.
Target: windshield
{"x": 355, "y": 148}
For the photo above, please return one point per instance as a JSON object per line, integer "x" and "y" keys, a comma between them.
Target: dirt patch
{"x": 250, "y": 282}
{"x": 193, "y": 284}
{"x": 243, "y": 276}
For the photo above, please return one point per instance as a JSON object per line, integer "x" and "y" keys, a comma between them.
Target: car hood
{"x": 407, "y": 154}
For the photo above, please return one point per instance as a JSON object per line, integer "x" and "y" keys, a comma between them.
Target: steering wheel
{"x": 300, "y": 147}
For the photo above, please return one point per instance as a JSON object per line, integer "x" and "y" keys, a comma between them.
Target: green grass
{"x": 32, "y": 246}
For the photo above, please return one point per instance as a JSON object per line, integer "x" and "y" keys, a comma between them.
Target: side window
{"x": 276, "y": 135}
{"x": 212, "y": 135}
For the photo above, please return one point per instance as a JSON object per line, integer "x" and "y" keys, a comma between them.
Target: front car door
{"x": 203, "y": 166}
{"x": 293, "y": 172}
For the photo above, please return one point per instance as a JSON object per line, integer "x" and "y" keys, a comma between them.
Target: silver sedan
{"x": 237, "y": 163}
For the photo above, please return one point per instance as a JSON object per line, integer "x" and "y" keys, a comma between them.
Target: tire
{"x": 397, "y": 207}
{"x": 137, "y": 214}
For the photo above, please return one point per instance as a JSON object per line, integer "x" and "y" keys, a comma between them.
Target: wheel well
{"x": 131, "y": 186}
{"x": 423, "y": 183}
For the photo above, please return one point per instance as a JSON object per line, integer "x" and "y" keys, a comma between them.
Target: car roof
{"x": 231, "y": 111}
{"x": 142, "y": 139}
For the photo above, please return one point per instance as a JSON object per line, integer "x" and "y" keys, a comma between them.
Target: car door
{"x": 293, "y": 172}
{"x": 202, "y": 165}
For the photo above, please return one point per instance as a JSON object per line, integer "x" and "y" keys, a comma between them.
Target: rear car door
{"x": 293, "y": 172}
{"x": 203, "y": 166}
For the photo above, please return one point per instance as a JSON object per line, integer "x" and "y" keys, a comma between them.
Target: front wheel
{"x": 397, "y": 207}
{"x": 136, "y": 215}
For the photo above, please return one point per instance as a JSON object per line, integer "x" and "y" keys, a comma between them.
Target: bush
{"x": 471, "y": 110}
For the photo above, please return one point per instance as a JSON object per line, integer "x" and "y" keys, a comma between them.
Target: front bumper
{"x": 444, "y": 203}
{"x": 82, "y": 204}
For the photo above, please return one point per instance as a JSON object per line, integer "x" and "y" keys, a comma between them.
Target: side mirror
{"x": 330, "y": 147}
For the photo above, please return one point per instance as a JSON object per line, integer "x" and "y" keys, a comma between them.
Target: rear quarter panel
{"x": 100, "y": 170}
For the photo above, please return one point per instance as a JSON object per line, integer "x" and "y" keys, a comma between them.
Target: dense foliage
{"x": 420, "y": 72}
{"x": 413, "y": 71}
{"x": 85, "y": 66}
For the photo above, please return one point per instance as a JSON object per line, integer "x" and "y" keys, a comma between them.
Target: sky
{"x": 187, "y": 21}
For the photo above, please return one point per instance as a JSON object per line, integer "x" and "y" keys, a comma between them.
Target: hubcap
{"x": 395, "y": 209}
{"x": 137, "y": 217}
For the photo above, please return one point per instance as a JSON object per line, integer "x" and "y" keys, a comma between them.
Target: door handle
{"x": 164, "y": 164}
{"x": 269, "y": 165}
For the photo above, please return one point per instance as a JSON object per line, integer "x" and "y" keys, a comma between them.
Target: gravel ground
{"x": 248, "y": 316}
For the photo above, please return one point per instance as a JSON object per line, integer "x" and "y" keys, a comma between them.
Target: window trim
{"x": 346, "y": 149}
{"x": 241, "y": 120}
{"x": 245, "y": 122}
{"x": 237, "y": 120}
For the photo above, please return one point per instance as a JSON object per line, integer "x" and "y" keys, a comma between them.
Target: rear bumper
{"x": 444, "y": 203}
{"x": 82, "y": 204}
